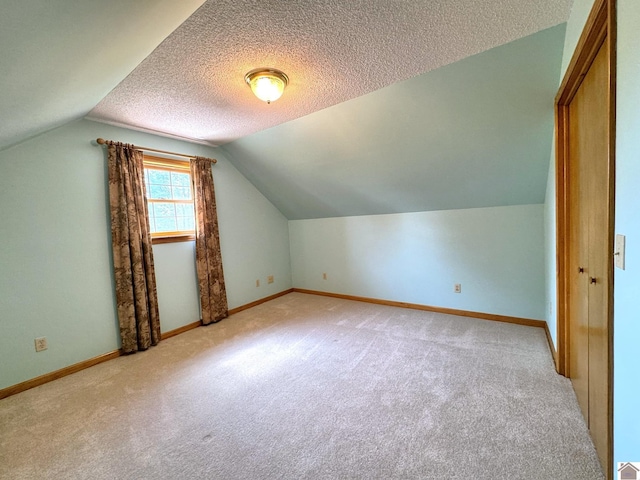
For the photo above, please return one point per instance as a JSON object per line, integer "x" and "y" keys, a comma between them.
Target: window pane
{"x": 169, "y": 185}
{"x": 161, "y": 192}
{"x": 164, "y": 210}
{"x": 180, "y": 179}
{"x": 184, "y": 209}
{"x": 159, "y": 177}
{"x": 186, "y": 223}
{"x": 166, "y": 224}
{"x": 181, "y": 193}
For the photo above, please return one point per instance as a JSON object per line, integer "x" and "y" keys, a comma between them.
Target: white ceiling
{"x": 192, "y": 85}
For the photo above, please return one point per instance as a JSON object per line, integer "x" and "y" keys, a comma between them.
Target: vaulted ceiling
{"x": 392, "y": 106}
{"x": 476, "y": 133}
{"x": 58, "y": 59}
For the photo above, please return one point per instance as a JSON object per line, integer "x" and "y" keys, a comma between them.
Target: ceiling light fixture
{"x": 267, "y": 83}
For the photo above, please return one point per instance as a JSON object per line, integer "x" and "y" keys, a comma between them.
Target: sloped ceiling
{"x": 475, "y": 133}
{"x": 393, "y": 106}
{"x": 59, "y": 58}
{"x": 193, "y": 85}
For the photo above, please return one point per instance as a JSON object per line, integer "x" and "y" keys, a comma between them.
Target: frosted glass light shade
{"x": 267, "y": 83}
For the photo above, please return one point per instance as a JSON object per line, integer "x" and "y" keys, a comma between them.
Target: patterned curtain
{"x": 135, "y": 279}
{"x": 213, "y": 295}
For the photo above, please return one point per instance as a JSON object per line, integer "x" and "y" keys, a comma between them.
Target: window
{"x": 170, "y": 199}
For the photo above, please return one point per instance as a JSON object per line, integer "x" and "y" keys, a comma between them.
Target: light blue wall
{"x": 496, "y": 254}
{"x": 254, "y": 238}
{"x": 178, "y": 300}
{"x": 550, "y": 252}
{"x": 55, "y": 273}
{"x": 626, "y": 327}
{"x": 580, "y": 11}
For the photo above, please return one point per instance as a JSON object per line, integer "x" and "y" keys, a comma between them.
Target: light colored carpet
{"x": 308, "y": 387}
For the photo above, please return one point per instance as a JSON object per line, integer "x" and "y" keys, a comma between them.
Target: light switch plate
{"x": 619, "y": 253}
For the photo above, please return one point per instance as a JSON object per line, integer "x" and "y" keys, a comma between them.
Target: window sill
{"x": 173, "y": 239}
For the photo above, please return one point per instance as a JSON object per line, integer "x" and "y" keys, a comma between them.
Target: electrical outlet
{"x": 324, "y": 276}
{"x": 457, "y": 288}
{"x": 270, "y": 279}
{"x": 41, "y": 343}
{"x": 257, "y": 283}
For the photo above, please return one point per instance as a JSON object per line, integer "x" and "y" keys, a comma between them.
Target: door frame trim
{"x": 599, "y": 31}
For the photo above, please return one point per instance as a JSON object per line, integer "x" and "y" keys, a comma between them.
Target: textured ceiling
{"x": 192, "y": 85}
{"x": 393, "y": 106}
{"x": 476, "y": 133}
{"x": 59, "y": 58}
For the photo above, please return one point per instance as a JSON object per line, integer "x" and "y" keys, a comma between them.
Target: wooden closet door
{"x": 585, "y": 184}
{"x": 596, "y": 84}
{"x": 579, "y": 252}
{"x": 589, "y": 256}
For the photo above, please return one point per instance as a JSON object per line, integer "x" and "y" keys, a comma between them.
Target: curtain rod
{"x": 102, "y": 141}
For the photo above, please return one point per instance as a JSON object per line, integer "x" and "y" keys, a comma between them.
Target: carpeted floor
{"x": 308, "y": 387}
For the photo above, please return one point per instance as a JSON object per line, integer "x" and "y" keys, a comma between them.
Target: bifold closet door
{"x": 599, "y": 255}
{"x": 589, "y": 257}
